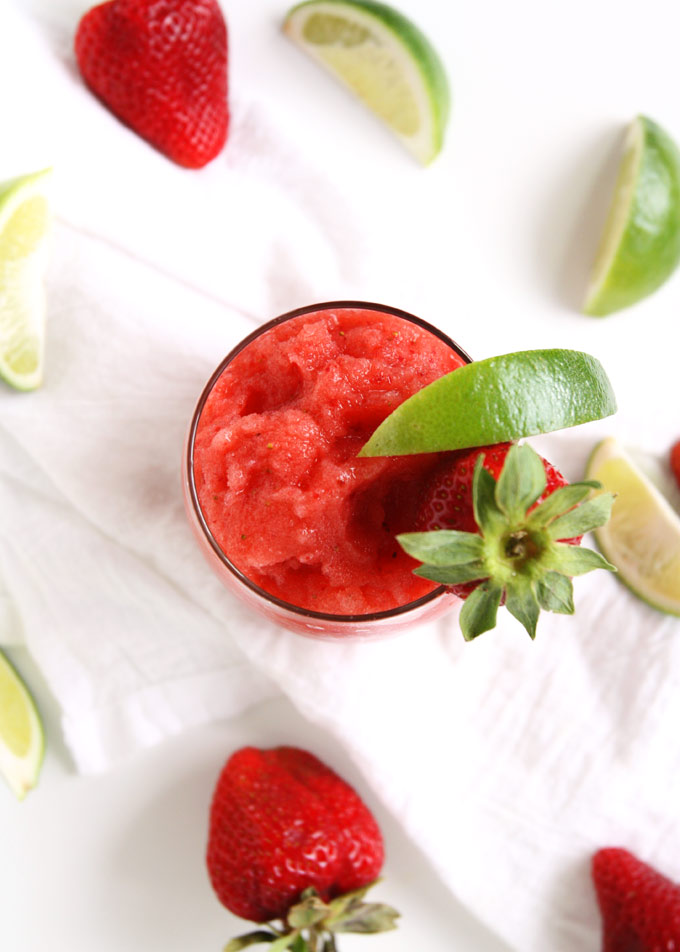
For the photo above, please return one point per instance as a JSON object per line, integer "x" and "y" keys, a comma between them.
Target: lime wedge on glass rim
{"x": 642, "y": 537}
{"x": 24, "y": 225}
{"x": 22, "y": 739}
{"x": 383, "y": 58}
{"x": 640, "y": 246}
{"x": 497, "y": 400}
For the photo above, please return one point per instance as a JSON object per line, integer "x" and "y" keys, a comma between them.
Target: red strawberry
{"x": 447, "y": 499}
{"x": 161, "y": 67}
{"x": 288, "y": 835}
{"x": 500, "y": 525}
{"x": 640, "y": 908}
{"x": 675, "y": 461}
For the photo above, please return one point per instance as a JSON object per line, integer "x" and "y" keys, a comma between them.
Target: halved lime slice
{"x": 642, "y": 537}
{"x": 640, "y": 246}
{"x": 382, "y": 57}
{"x": 24, "y": 224}
{"x": 497, "y": 400}
{"x": 22, "y": 740}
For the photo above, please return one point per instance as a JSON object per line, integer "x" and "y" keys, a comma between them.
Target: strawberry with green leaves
{"x": 292, "y": 846}
{"x": 515, "y": 528}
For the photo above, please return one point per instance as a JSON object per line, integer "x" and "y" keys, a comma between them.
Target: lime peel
{"x": 497, "y": 400}
{"x": 640, "y": 245}
{"x": 384, "y": 59}
{"x": 642, "y": 538}
{"x": 22, "y": 738}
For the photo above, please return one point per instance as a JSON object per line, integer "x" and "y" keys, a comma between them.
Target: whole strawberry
{"x": 675, "y": 461}
{"x": 500, "y": 525}
{"x": 161, "y": 67}
{"x": 447, "y": 499}
{"x": 289, "y": 840}
{"x": 640, "y": 908}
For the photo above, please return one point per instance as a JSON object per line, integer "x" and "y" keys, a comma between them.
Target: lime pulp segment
{"x": 640, "y": 245}
{"x": 497, "y": 400}
{"x": 21, "y": 732}
{"x": 24, "y": 224}
{"x": 384, "y": 59}
{"x": 642, "y": 537}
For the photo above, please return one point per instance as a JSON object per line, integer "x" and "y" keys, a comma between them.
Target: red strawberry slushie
{"x": 275, "y": 465}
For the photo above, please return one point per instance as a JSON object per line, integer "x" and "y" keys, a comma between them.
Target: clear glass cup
{"x": 291, "y": 616}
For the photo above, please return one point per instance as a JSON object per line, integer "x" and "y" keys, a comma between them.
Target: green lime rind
{"x": 631, "y": 586}
{"x": 497, "y": 400}
{"x": 421, "y": 53}
{"x": 640, "y": 246}
{"x": 22, "y": 736}
{"x": 642, "y": 537}
{"x": 12, "y": 191}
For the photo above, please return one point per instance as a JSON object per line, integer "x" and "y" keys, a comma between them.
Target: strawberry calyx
{"x": 311, "y": 924}
{"x": 519, "y": 558}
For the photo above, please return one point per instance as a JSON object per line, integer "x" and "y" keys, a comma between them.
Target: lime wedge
{"x": 640, "y": 247}
{"x": 642, "y": 537}
{"x": 384, "y": 59}
{"x": 24, "y": 223}
{"x": 22, "y": 740}
{"x": 497, "y": 400}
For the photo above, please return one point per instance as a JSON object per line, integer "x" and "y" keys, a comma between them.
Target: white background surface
{"x": 542, "y": 92}
{"x": 116, "y": 862}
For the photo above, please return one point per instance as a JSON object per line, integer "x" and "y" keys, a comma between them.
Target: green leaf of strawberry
{"x": 293, "y": 941}
{"x": 480, "y": 609}
{"x": 452, "y": 574}
{"x": 589, "y": 515}
{"x": 521, "y": 482}
{"x": 250, "y": 938}
{"x": 521, "y": 601}
{"x": 516, "y": 528}
{"x": 487, "y": 511}
{"x": 570, "y": 561}
{"x": 447, "y": 547}
{"x": 555, "y": 593}
{"x": 561, "y": 500}
{"x": 367, "y": 918}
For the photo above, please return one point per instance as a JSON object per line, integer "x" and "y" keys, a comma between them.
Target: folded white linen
{"x": 508, "y": 762}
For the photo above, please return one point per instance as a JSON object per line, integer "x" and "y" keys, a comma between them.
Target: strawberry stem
{"x": 311, "y": 923}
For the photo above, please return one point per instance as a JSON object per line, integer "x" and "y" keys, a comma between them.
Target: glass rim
{"x": 273, "y": 600}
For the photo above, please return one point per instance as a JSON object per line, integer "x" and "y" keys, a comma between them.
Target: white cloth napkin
{"x": 508, "y": 762}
